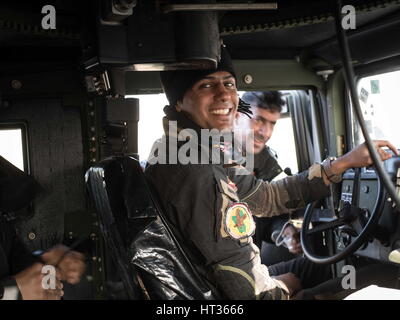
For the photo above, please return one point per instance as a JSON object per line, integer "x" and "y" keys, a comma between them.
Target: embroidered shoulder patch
{"x": 239, "y": 223}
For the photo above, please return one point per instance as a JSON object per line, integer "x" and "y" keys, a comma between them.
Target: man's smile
{"x": 221, "y": 111}
{"x": 259, "y": 139}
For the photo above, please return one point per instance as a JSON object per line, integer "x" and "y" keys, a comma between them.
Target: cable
{"x": 280, "y": 239}
{"x": 349, "y": 79}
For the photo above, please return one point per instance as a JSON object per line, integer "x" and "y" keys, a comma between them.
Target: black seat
{"x": 149, "y": 259}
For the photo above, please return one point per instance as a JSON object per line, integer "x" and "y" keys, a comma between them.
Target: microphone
{"x": 288, "y": 171}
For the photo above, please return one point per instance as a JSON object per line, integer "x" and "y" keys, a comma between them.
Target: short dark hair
{"x": 269, "y": 100}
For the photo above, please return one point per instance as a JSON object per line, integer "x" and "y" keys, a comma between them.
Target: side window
{"x": 379, "y": 101}
{"x": 150, "y": 124}
{"x": 13, "y": 144}
{"x": 282, "y": 142}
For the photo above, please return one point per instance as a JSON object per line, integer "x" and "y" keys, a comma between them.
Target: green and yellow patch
{"x": 239, "y": 223}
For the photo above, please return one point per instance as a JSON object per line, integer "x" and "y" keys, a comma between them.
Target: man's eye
{"x": 230, "y": 85}
{"x": 206, "y": 85}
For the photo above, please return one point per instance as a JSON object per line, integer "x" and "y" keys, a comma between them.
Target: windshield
{"x": 380, "y": 104}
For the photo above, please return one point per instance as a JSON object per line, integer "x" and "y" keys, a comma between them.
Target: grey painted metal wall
{"x": 56, "y": 159}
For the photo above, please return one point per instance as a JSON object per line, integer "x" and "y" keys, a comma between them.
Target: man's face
{"x": 212, "y": 101}
{"x": 262, "y": 123}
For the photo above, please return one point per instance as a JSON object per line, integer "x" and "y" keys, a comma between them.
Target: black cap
{"x": 176, "y": 83}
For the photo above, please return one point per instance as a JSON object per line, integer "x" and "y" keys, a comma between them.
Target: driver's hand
{"x": 293, "y": 243}
{"x": 359, "y": 157}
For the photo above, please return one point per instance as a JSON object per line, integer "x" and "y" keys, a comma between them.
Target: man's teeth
{"x": 220, "y": 111}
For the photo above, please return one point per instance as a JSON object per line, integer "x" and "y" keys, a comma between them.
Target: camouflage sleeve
{"x": 250, "y": 280}
{"x": 286, "y": 195}
{"x": 232, "y": 260}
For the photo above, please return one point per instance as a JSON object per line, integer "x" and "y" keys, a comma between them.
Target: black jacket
{"x": 17, "y": 190}
{"x": 14, "y": 257}
{"x": 200, "y": 200}
{"x": 266, "y": 165}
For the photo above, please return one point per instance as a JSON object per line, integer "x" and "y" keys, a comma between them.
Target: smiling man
{"x": 266, "y": 107}
{"x": 202, "y": 202}
{"x": 206, "y": 111}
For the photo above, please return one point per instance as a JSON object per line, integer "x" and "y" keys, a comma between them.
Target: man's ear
{"x": 178, "y": 106}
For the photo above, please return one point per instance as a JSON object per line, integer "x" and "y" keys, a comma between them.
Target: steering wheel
{"x": 351, "y": 216}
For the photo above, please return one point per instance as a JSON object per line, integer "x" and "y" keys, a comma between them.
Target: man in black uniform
{"x": 267, "y": 107}
{"x": 21, "y": 272}
{"x": 209, "y": 206}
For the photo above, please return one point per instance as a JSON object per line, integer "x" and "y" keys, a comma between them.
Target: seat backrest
{"x": 142, "y": 245}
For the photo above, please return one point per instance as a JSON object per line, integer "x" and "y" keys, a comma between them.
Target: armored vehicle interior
{"x": 81, "y": 99}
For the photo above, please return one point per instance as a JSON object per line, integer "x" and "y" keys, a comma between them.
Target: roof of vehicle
{"x": 303, "y": 29}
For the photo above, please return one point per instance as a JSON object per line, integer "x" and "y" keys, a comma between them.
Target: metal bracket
{"x": 219, "y": 7}
{"x": 98, "y": 83}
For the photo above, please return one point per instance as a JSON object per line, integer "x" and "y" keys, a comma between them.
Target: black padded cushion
{"x": 17, "y": 189}
{"x": 137, "y": 234}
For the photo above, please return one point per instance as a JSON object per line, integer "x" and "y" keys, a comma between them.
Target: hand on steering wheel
{"x": 351, "y": 216}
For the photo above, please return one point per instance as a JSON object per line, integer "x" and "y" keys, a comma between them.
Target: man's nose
{"x": 265, "y": 131}
{"x": 222, "y": 92}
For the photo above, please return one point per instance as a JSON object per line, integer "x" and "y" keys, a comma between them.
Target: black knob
{"x": 288, "y": 171}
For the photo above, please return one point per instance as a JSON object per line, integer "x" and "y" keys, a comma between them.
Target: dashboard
{"x": 386, "y": 236}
